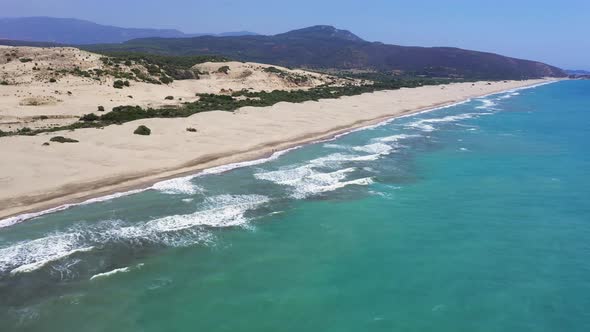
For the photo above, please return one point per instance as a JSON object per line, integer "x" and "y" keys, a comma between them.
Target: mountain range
{"x": 80, "y": 32}
{"x": 325, "y": 47}
{"x": 319, "y": 47}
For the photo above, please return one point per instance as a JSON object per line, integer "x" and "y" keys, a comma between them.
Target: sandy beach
{"x": 34, "y": 177}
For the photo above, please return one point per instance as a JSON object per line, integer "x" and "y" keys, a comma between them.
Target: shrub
{"x": 126, "y": 83}
{"x": 2, "y": 133}
{"x": 169, "y": 98}
{"x": 192, "y": 130}
{"x": 142, "y": 130}
{"x": 272, "y": 70}
{"x": 166, "y": 80}
{"x": 89, "y": 117}
{"x": 3, "y": 83}
{"x": 122, "y": 114}
{"x": 23, "y": 60}
{"x": 25, "y": 130}
{"x": 118, "y": 84}
{"x": 61, "y": 139}
{"x": 52, "y": 80}
{"x": 223, "y": 69}
{"x": 128, "y": 63}
{"x": 101, "y": 108}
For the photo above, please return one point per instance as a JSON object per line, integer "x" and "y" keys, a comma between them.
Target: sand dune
{"x": 31, "y": 100}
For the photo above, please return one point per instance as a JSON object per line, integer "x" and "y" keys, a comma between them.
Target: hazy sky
{"x": 556, "y": 32}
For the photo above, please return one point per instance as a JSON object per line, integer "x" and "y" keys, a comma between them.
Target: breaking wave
{"x": 176, "y": 230}
{"x": 487, "y": 104}
{"x": 115, "y": 271}
{"x": 306, "y": 181}
{"x": 428, "y": 124}
{"x": 178, "y": 186}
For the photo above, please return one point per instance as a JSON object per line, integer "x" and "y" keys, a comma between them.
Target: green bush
{"x": 272, "y": 70}
{"x": 142, "y": 130}
{"x": 121, "y": 114}
{"x": 23, "y": 60}
{"x": 169, "y": 98}
{"x": 61, "y": 139}
{"x": 25, "y": 131}
{"x": 89, "y": 117}
{"x": 166, "y": 80}
{"x": 3, "y": 83}
{"x": 101, "y": 108}
{"x": 52, "y": 80}
{"x": 119, "y": 84}
{"x": 223, "y": 69}
{"x": 192, "y": 130}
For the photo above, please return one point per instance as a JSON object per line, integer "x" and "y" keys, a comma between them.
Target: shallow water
{"x": 469, "y": 218}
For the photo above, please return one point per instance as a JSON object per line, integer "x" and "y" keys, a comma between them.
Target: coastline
{"x": 14, "y": 209}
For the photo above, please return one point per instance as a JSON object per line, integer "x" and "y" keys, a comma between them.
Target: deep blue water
{"x": 474, "y": 217}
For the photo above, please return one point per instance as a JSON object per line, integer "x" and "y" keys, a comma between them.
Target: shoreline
{"x": 127, "y": 184}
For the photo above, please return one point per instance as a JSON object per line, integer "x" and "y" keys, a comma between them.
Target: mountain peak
{"x": 322, "y": 31}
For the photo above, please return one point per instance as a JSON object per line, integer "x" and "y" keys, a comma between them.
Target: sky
{"x": 555, "y": 32}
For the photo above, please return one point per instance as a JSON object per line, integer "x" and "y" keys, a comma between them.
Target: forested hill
{"x": 325, "y": 47}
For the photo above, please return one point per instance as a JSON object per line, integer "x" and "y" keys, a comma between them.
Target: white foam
{"x": 27, "y": 256}
{"x": 26, "y": 216}
{"x": 176, "y": 230}
{"x": 394, "y": 118}
{"x": 229, "y": 167}
{"x": 182, "y": 185}
{"x": 374, "y": 148}
{"x": 224, "y": 211}
{"x": 427, "y": 124}
{"x": 508, "y": 95}
{"x": 110, "y": 273}
{"x": 395, "y": 138}
{"x": 336, "y": 146}
{"x": 339, "y": 158}
{"x": 487, "y": 104}
{"x": 305, "y": 181}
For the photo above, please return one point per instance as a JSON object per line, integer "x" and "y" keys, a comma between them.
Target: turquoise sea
{"x": 474, "y": 217}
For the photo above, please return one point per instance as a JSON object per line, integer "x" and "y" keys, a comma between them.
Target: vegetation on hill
{"x": 325, "y": 47}
{"x": 148, "y": 68}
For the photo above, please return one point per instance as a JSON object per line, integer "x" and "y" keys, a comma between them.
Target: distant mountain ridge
{"x": 325, "y": 47}
{"x": 321, "y": 32}
{"x": 81, "y": 32}
{"x": 320, "y": 47}
{"x": 577, "y": 72}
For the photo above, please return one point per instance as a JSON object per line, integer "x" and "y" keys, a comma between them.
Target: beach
{"x": 477, "y": 210}
{"x": 36, "y": 177}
